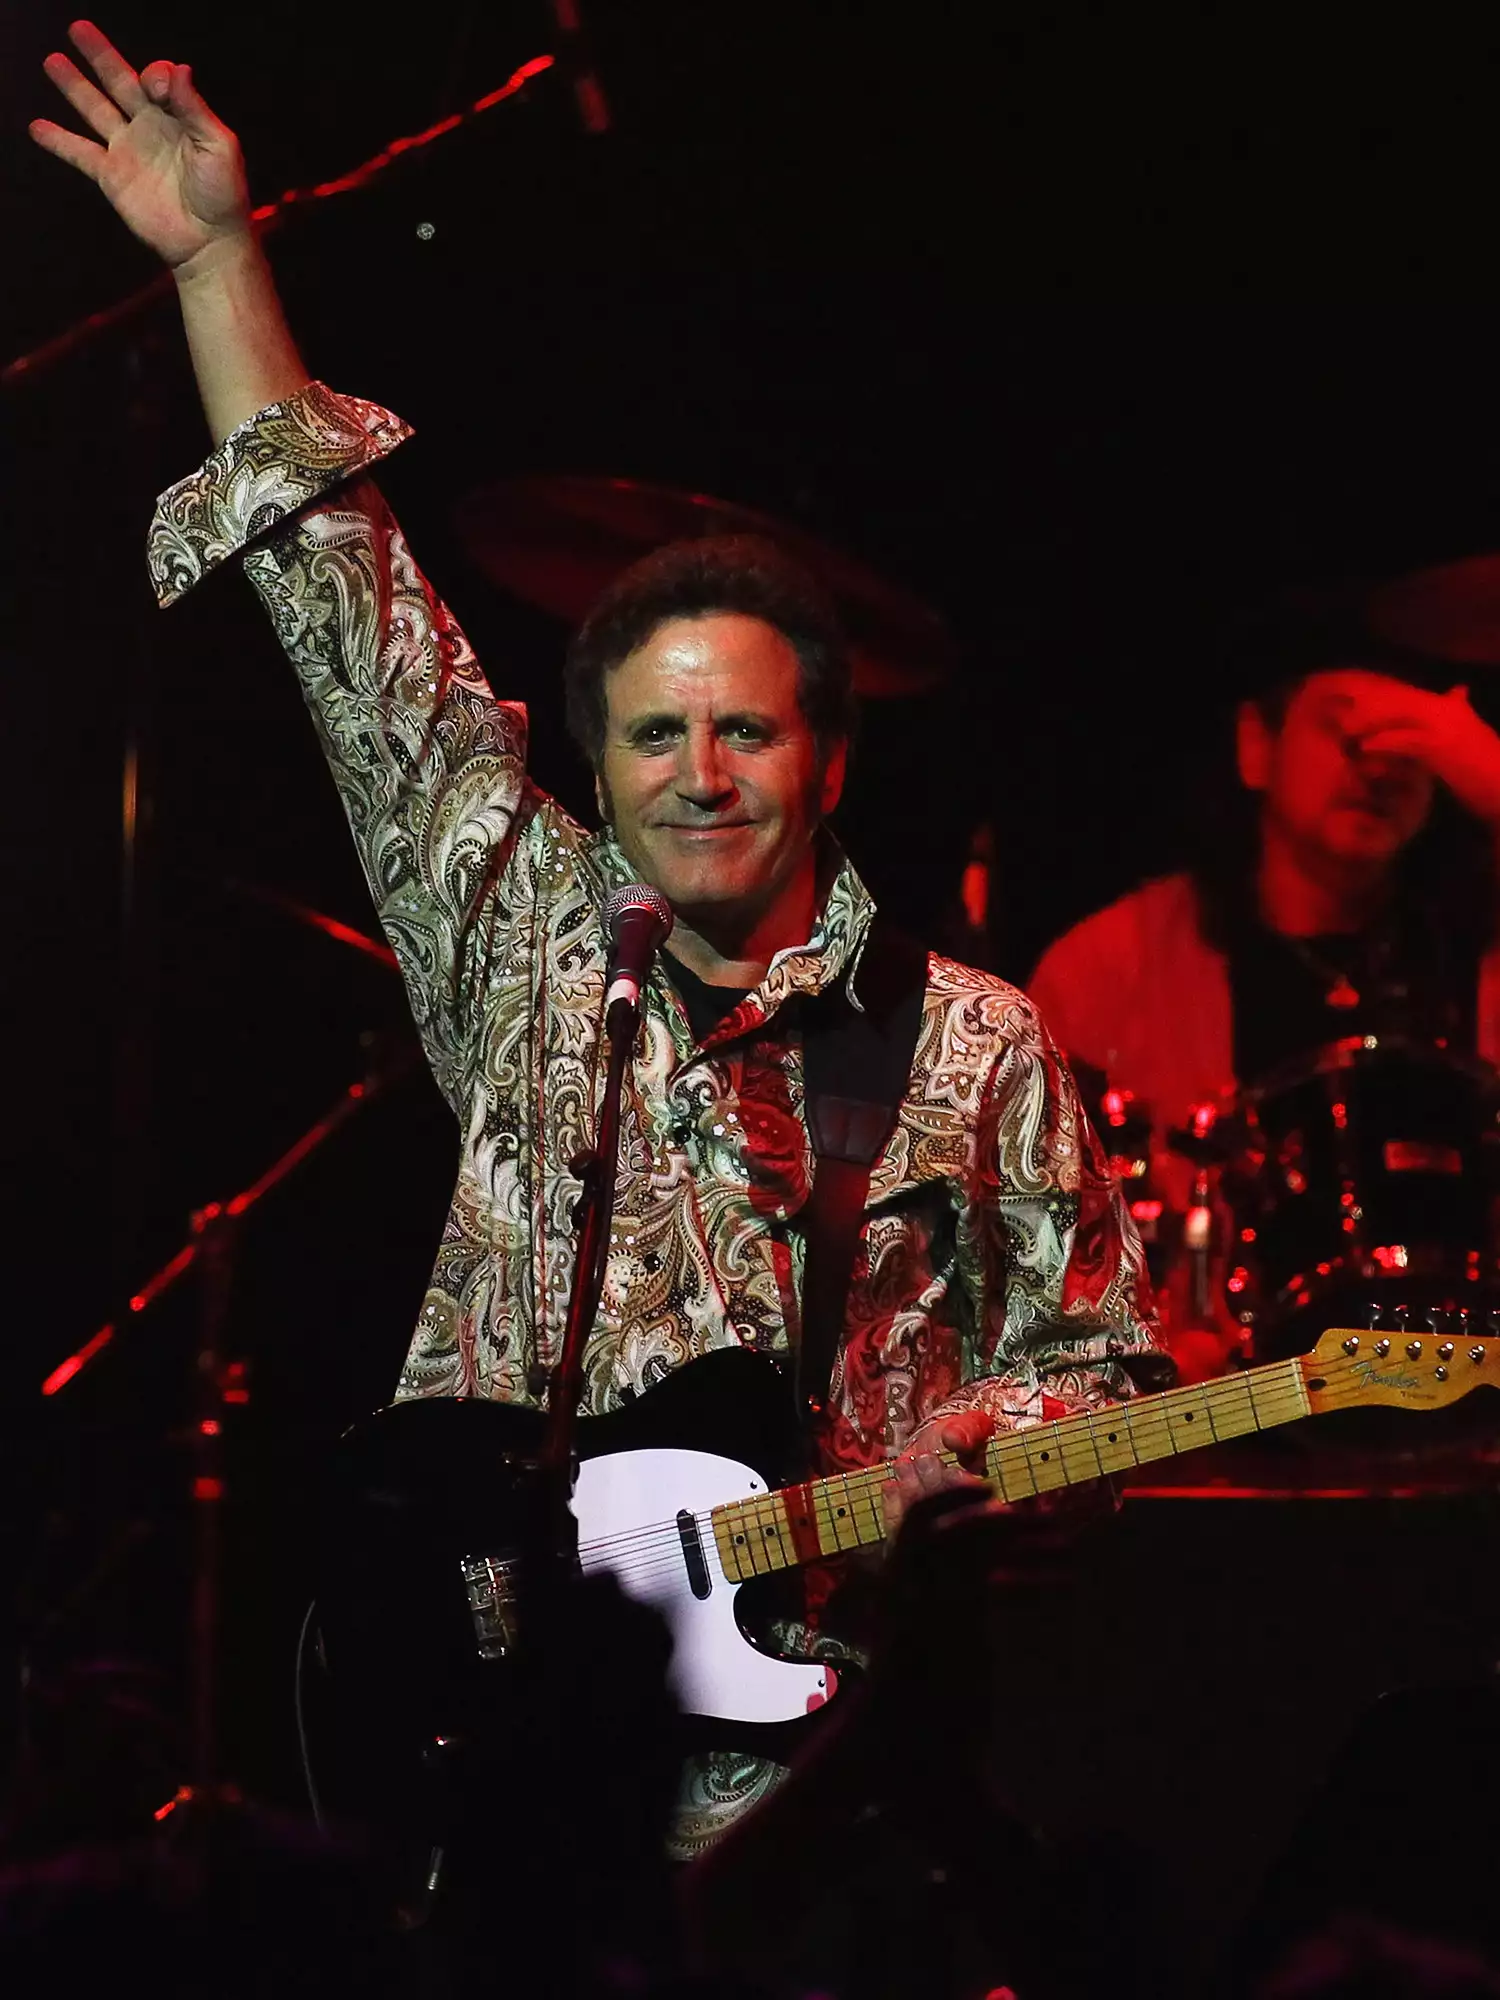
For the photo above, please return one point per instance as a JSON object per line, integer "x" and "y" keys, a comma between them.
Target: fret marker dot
{"x": 842, "y": 1512}
{"x": 739, "y": 1538}
{"x": 1045, "y": 1456}
{"x": 1114, "y": 1437}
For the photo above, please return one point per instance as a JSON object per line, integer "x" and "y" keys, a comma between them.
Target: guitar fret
{"x": 1044, "y": 1457}
{"x": 1079, "y": 1453}
{"x": 1115, "y": 1448}
{"x": 1278, "y": 1394}
{"x": 1007, "y": 1464}
{"x": 1149, "y": 1428}
{"x": 869, "y": 1521}
{"x": 729, "y": 1539}
{"x": 771, "y": 1548}
{"x": 823, "y": 1518}
{"x": 803, "y": 1539}
{"x": 1187, "y": 1418}
{"x": 1233, "y": 1407}
{"x": 841, "y": 1513}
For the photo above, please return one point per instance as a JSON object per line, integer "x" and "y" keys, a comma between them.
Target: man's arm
{"x": 429, "y": 766}
{"x": 1069, "y": 1301}
{"x": 1064, "y": 1298}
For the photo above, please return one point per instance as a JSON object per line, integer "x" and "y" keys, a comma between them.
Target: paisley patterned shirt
{"x": 999, "y": 1263}
{"x": 999, "y": 1266}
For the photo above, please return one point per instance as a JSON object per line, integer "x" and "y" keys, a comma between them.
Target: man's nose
{"x": 702, "y": 775}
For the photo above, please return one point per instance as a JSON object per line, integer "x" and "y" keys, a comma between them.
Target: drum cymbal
{"x": 1450, "y": 611}
{"x": 556, "y": 540}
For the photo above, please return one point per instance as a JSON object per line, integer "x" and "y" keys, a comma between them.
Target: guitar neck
{"x": 825, "y": 1517}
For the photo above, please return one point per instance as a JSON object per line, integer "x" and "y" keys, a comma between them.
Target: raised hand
{"x": 1386, "y": 718}
{"x": 167, "y": 166}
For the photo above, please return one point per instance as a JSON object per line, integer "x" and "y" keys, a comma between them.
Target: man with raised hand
{"x": 997, "y": 1279}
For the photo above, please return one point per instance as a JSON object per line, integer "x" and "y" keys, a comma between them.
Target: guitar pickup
{"x": 699, "y": 1581}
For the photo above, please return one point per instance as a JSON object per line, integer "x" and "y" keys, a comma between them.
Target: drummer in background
{"x": 1349, "y": 889}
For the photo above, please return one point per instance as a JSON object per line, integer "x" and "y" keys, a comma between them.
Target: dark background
{"x": 1081, "y": 325}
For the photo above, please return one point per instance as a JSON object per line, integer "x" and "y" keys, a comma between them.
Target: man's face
{"x": 711, "y": 776}
{"x": 1321, "y": 788}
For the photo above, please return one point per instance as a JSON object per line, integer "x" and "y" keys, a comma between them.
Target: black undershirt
{"x": 1281, "y": 986}
{"x": 706, "y": 1005}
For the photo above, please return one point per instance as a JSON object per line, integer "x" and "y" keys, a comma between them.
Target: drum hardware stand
{"x": 1197, "y": 1237}
{"x": 219, "y": 1383}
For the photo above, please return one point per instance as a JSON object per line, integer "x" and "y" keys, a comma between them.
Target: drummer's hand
{"x": 919, "y": 1470}
{"x": 170, "y": 170}
{"x": 1441, "y": 732}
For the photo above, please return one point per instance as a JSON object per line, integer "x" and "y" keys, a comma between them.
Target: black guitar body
{"x": 399, "y": 1693}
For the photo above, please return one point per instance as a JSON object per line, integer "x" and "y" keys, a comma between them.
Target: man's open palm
{"x": 170, "y": 170}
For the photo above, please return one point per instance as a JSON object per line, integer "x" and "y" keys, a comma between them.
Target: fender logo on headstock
{"x": 1369, "y": 1376}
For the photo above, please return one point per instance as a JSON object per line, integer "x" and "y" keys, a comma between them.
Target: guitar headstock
{"x": 1410, "y": 1370}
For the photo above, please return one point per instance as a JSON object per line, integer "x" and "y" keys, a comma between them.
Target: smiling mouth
{"x": 698, "y": 832}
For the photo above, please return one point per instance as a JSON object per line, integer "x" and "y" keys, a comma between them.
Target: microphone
{"x": 636, "y": 920}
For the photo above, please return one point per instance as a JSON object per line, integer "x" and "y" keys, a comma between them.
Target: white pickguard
{"x": 715, "y": 1670}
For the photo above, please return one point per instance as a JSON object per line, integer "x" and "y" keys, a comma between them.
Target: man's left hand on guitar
{"x": 920, "y": 1471}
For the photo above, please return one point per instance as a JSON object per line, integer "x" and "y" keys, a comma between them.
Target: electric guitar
{"x": 690, "y": 1494}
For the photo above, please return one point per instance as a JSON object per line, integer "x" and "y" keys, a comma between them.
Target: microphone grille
{"x": 637, "y": 896}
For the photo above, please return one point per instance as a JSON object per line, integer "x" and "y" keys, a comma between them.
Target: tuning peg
{"x": 1373, "y": 1321}
{"x": 1399, "y": 1315}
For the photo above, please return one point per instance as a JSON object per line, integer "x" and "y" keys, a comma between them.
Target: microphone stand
{"x": 592, "y": 1212}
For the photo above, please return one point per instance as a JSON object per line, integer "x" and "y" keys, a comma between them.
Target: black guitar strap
{"x": 856, "y": 1066}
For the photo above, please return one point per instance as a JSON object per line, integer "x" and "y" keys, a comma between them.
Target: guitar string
{"x": 1019, "y": 1451}
{"x": 655, "y": 1550}
{"x": 658, "y": 1551}
{"x": 639, "y": 1554}
{"x": 1279, "y": 1401}
{"x": 1013, "y": 1453}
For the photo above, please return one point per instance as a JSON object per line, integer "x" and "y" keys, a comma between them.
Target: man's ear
{"x": 833, "y": 776}
{"x": 601, "y": 797}
{"x": 1253, "y": 743}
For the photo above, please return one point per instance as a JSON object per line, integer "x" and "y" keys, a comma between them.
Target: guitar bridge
{"x": 491, "y": 1587}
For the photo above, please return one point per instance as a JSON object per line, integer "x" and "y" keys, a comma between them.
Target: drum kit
{"x": 1356, "y": 1186}
{"x": 1359, "y": 1184}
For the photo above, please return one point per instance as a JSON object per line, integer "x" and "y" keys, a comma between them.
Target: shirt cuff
{"x": 268, "y": 468}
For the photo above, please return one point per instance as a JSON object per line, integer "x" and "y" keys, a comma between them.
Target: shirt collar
{"x": 837, "y": 940}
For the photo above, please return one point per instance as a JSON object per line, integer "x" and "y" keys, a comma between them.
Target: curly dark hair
{"x": 748, "y": 574}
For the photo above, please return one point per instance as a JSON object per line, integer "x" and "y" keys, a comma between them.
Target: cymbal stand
{"x": 219, "y": 1382}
